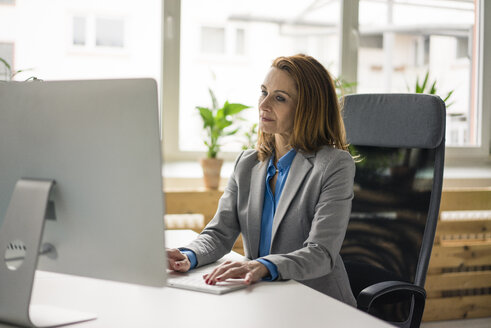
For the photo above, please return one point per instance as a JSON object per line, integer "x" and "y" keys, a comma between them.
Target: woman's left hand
{"x": 250, "y": 271}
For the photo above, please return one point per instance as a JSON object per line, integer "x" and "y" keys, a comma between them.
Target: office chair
{"x": 399, "y": 143}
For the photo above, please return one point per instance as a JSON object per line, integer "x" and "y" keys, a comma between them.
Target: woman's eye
{"x": 280, "y": 98}
{"x": 264, "y": 93}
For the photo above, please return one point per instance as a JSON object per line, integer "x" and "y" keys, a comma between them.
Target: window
{"x": 228, "y": 46}
{"x": 212, "y": 40}
{"x": 92, "y": 32}
{"x": 463, "y": 47}
{"x": 240, "y": 41}
{"x": 397, "y": 42}
{"x": 109, "y": 32}
{"x": 420, "y": 37}
{"x": 79, "y": 30}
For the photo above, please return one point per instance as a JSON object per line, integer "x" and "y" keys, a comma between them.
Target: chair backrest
{"x": 400, "y": 142}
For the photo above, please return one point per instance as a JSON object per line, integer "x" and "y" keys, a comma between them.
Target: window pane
{"x": 109, "y": 32}
{"x": 79, "y": 30}
{"x": 402, "y": 41}
{"x": 240, "y": 41}
{"x": 212, "y": 40}
{"x": 228, "y": 46}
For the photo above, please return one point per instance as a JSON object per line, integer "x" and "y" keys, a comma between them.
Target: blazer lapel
{"x": 256, "y": 200}
{"x": 299, "y": 169}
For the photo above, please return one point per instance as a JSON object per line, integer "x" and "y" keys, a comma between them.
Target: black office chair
{"x": 400, "y": 143}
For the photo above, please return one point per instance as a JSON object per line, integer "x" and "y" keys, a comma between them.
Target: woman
{"x": 291, "y": 197}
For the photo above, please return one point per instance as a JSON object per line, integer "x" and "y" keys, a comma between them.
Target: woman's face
{"x": 277, "y": 103}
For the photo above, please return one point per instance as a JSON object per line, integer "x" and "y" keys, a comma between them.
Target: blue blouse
{"x": 269, "y": 207}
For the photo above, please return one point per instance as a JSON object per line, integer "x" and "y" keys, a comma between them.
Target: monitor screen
{"x": 99, "y": 140}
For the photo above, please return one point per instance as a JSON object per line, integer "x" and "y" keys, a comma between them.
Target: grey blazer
{"x": 309, "y": 224}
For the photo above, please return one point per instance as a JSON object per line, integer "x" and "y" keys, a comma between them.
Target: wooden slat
{"x": 458, "y": 280}
{"x": 466, "y": 240}
{"x": 449, "y": 256}
{"x": 463, "y": 227}
{"x": 193, "y": 202}
{"x": 457, "y": 308}
{"x": 466, "y": 199}
{"x": 460, "y": 243}
{"x": 197, "y": 202}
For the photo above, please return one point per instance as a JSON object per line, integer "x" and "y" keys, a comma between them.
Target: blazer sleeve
{"x": 219, "y": 236}
{"x": 320, "y": 250}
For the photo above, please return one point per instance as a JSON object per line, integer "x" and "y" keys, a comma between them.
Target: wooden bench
{"x": 203, "y": 201}
{"x": 459, "y": 275}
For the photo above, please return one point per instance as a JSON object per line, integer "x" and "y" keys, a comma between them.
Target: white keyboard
{"x": 193, "y": 280}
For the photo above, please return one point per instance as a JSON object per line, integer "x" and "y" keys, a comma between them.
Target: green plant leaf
{"x": 9, "y": 69}
{"x": 20, "y": 71}
{"x": 5, "y": 63}
{"x": 433, "y": 89}
{"x": 230, "y": 133}
{"x": 216, "y": 121}
{"x": 220, "y": 115}
{"x": 207, "y": 116}
{"x": 214, "y": 101}
{"x": 222, "y": 124}
{"x": 417, "y": 89}
{"x": 212, "y": 153}
{"x": 344, "y": 87}
{"x": 447, "y": 103}
{"x": 448, "y": 96}
{"x": 423, "y": 86}
{"x": 236, "y": 108}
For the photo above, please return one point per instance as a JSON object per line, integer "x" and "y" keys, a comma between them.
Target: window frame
{"x": 455, "y": 156}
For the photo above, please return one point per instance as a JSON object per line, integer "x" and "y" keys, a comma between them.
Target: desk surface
{"x": 266, "y": 304}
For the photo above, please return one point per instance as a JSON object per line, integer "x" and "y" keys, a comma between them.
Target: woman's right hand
{"x": 177, "y": 261}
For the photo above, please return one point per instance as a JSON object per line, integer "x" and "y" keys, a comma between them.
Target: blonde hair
{"x": 317, "y": 120}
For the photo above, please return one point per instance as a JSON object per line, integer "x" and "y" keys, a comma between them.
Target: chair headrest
{"x": 394, "y": 120}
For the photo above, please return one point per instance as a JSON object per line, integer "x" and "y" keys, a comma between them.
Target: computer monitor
{"x": 98, "y": 143}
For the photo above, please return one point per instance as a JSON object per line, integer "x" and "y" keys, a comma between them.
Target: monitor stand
{"x": 20, "y": 241}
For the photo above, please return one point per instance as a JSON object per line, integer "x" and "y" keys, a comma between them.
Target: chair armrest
{"x": 371, "y": 293}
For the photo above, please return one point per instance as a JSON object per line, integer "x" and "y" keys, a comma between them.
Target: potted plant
{"x": 217, "y": 123}
{"x": 431, "y": 89}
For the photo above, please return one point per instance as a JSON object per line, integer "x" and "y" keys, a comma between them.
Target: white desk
{"x": 266, "y": 304}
